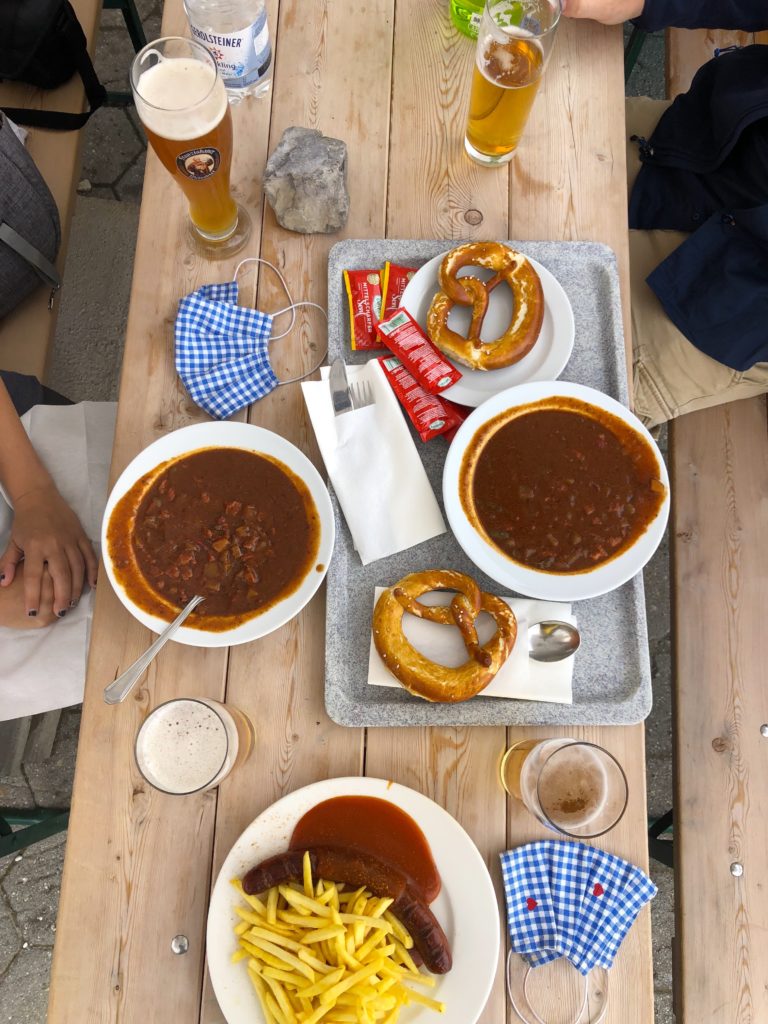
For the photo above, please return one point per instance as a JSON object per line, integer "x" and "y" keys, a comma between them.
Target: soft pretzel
{"x": 418, "y": 674}
{"x": 527, "y": 315}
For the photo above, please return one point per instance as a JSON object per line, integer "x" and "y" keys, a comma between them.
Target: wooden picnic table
{"x": 391, "y": 78}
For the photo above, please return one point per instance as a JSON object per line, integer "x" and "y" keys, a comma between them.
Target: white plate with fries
{"x": 466, "y": 907}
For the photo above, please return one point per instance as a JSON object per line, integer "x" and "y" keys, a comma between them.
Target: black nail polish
{"x": 62, "y": 613}
{"x": 73, "y": 604}
{"x": 32, "y": 613}
{"x": 2, "y": 576}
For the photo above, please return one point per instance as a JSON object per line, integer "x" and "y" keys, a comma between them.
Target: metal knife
{"x": 340, "y": 396}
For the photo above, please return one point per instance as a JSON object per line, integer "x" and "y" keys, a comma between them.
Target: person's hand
{"x": 13, "y": 609}
{"x": 609, "y": 12}
{"x": 47, "y": 534}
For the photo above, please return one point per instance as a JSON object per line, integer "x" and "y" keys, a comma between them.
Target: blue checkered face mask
{"x": 222, "y": 349}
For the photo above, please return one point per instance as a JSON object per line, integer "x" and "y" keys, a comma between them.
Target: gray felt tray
{"x": 612, "y": 676}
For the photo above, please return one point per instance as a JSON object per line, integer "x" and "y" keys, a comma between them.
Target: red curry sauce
{"x": 367, "y": 824}
{"x": 235, "y": 526}
{"x": 562, "y": 486}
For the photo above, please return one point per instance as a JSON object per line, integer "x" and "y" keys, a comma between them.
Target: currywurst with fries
{"x": 324, "y": 936}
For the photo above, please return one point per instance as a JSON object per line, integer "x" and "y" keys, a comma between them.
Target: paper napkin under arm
{"x": 374, "y": 467}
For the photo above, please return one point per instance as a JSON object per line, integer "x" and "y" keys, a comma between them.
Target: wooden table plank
{"x": 137, "y": 866}
{"x": 279, "y": 681}
{"x": 720, "y": 571}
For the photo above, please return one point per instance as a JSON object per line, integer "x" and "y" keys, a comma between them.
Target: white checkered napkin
{"x": 221, "y": 350}
{"x": 530, "y": 911}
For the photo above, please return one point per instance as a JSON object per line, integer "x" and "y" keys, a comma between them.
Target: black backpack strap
{"x": 72, "y": 35}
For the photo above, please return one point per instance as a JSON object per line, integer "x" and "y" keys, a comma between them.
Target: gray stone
{"x": 305, "y": 182}
{"x": 10, "y": 939}
{"x": 111, "y": 144}
{"x": 662, "y": 925}
{"x": 24, "y": 988}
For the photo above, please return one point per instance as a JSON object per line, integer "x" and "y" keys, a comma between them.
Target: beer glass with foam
{"x": 513, "y": 46}
{"x": 571, "y": 786}
{"x": 191, "y": 744}
{"x": 183, "y": 106}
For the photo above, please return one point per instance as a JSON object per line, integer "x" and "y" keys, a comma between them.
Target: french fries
{"x": 317, "y": 954}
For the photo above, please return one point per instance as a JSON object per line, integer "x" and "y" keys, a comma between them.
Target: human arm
{"x": 652, "y": 15}
{"x": 45, "y": 531}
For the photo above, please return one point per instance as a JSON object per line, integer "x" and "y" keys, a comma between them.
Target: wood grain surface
{"x": 719, "y": 469}
{"x": 392, "y": 80}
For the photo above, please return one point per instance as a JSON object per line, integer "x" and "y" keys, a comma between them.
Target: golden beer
{"x": 504, "y": 85}
{"x": 183, "y": 106}
{"x": 514, "y": 42}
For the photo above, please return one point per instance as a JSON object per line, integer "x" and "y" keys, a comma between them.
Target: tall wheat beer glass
{"x": 183, "y": 106}
{"x": 513, "y": 46}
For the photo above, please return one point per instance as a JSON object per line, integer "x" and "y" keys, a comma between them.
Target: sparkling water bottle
{"x": 237, "y": 35}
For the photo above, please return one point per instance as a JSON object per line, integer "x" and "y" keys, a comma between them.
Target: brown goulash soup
{"x": 560, "y": 485}
{"x": 239, "y": 528}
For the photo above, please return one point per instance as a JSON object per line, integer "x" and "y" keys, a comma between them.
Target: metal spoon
{"x": 552, "y": 641}
{"x": 122, "y": 686}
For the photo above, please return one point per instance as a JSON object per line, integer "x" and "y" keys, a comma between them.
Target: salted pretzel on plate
{"x": 418, "y": 674}
{"x": 527, "y": 314}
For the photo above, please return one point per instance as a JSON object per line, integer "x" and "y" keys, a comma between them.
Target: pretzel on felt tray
{"x": 527, "y": 314}
{"x": 418, "y": 674}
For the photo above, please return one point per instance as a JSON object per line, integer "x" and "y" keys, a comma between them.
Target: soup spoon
{"x": 122, "y": 686}
{"x": 552, "y": 641}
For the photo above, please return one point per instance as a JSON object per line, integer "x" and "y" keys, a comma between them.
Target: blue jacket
{"x": 747, "y": 15}
{"x": 705, "y": 170}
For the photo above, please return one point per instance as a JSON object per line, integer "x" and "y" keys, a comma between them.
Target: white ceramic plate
{"x": 254, "y": 439}
{"x": 466, "y": 906}
{"x": 545, "y": 361}
{"x": 545, "y": 585}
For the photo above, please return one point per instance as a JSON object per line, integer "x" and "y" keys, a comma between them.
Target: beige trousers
{"x": 670, "y": 375}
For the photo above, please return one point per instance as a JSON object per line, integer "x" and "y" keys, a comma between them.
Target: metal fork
{"x": 362, "y": 394}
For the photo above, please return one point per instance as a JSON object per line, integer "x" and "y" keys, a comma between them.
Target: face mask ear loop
{"x": 291, "y": 305}
{"x": 537, "y": 1018}
{"x": 321, "y": 360}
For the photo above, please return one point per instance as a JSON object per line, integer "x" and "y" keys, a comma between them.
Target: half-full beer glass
{"x": 183, "y": 106}
{"x": 513, "y": 46}
{"x": 571, "y": 786}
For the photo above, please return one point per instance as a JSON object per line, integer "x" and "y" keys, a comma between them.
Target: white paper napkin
{"x": 519, "y": 678}
{"x": 374, "y": 467}
{"x": 43, "y": 669}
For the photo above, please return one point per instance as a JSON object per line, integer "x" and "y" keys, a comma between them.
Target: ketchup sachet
{"x": 394, "y": 281}
{"x": 364, "y": 295}
{"x": 405, "y": 339}
{"x": 430, "y": 414}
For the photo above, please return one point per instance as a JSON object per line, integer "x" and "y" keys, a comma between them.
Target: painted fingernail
{"x": 2, "y": 576}
{"x": 62, "y": 613}
{"x": 32, "y": 613}
{"x": 73, "y": 604}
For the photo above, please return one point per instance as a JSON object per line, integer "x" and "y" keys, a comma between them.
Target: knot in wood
{"x": 720, "y": 744}
{"x": 473, "y": 217}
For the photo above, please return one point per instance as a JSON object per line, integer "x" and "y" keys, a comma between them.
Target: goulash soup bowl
{"x": 556, "y": 491}
{"x": 227, "y": 510}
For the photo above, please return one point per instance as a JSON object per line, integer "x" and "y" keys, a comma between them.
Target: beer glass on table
{"x": 571, "y": 786}
{"x": 182, "y": 103}
{"x": 513, "y": 46}
{"x": 191, "y": 744}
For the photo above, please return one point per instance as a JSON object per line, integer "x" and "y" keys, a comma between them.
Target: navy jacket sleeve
{"x": 747, "y": 15}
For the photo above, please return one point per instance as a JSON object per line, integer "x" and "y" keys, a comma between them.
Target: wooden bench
{"x": 719, "y": 469}
{"x": 26, "y": 334}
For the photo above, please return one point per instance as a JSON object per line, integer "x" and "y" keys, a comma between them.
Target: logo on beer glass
{"x": 199, "y": 163}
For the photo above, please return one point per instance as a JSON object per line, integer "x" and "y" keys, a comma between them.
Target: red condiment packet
{"x": 430, "y": 414}
{"x": 405, "y": 339}
{"x": 364, "y": 295}
{"x": 394, "y": 280}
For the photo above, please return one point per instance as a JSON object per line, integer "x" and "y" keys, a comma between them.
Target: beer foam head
{"x": 180, "y": 98}
{"x": 182, "y": 746}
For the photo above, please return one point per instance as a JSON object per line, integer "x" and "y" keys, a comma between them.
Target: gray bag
{"x": 30, "y": 231}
